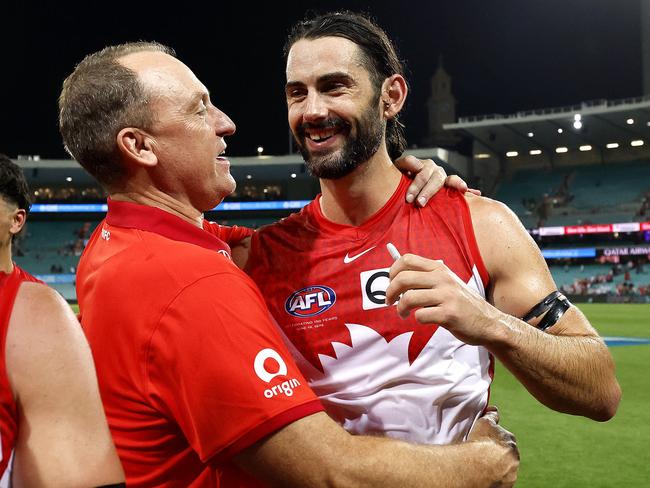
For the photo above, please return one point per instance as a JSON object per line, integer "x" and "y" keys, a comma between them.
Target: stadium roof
{"x": 592, "y": 124}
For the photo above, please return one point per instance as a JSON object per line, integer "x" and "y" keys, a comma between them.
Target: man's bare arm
{"x": 240, "y": 251}
{"x": 568, "y": 367}
{"x": 63, "y": 438}
{"x": 317, "y": 452}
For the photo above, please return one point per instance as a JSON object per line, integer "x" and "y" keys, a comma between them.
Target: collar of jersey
{"x": 359, "y": 231}
{"x": 151, "y": 219}
{"x": 5, "y": 276}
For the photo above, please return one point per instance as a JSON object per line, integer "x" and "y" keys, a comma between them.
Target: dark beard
{"x": 356, "y": 151}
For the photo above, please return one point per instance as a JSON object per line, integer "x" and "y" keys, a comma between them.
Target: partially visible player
{"x": 51, "y": 416}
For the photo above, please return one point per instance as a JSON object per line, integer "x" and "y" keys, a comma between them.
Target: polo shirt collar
{"x": 151, "y": 219}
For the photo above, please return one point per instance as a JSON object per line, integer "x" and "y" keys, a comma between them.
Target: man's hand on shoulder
{"x": 428, "y": 178}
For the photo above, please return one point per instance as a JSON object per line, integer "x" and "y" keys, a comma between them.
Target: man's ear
{"x": 393, "y": 95}
{"x": 18, "y": 220}
{"x": 136, "y": 146}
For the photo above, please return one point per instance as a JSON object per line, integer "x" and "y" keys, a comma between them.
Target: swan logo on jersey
{"x": 310, "y": 301}
{"x": 270, "y": 359}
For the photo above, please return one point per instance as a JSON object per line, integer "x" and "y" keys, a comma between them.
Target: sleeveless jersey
{"x": 9, "y": 284}
{"x": 325, "y": 285}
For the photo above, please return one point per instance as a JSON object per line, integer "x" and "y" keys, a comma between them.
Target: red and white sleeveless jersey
{"x": 325, "y": 285}
{"x": 9, "y": 284}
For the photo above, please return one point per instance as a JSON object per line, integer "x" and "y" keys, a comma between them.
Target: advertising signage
{"x": 592, "y": 252}
{"x": 583, "y": 252}
{"x": 625, "y": 251}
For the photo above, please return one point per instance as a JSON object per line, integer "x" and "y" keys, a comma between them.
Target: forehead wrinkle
{"x": 319, "y": 54}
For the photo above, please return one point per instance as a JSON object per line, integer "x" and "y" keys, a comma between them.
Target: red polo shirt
{"x": 191, "y": 369}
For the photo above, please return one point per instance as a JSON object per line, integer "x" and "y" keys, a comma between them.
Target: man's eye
{"x": 334, "y": 86}
{"x": 296, "y": 93}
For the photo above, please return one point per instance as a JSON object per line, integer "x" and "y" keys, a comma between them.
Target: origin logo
{"x": 286, "y": 387}
{"x": 310, "y": 301}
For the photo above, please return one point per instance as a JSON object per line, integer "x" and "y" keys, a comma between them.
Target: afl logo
{"x": 310, "y": 301}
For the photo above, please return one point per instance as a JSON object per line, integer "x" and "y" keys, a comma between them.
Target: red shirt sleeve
{"x": 231, "y": 235}
{"x": 219, "y": 367}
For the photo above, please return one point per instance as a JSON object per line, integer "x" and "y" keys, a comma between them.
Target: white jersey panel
{"x": 435, "y": 400}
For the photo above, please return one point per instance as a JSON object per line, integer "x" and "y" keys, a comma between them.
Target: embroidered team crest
{"x": 310, "y": 301}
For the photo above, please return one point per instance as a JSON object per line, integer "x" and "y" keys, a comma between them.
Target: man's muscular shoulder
{"x": 495, "y": 227}
{"x": 42, "y": 325}
{"x": 487, "y": 212}
{"x": 511, "y": 256}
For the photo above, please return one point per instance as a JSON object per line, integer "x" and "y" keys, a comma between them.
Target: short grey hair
{"x": 100, "y": 98}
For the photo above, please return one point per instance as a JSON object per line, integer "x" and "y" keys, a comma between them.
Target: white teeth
{"x": 324, "y": 134}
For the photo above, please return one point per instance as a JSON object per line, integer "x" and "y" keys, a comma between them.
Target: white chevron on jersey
{"x": 434, "y": 400}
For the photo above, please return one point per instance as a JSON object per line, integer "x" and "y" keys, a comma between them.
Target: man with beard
{"x": 324, "y": 272}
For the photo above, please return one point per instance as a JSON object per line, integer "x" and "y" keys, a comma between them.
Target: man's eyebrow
{"x": 335, "y": 76}
{"x": 293, "y": 84}
{"x": 196, "y": 97}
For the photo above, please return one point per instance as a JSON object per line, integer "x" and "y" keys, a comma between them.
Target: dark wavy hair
{"x": 379, "y": 56}
{"x": 13, "y": 186}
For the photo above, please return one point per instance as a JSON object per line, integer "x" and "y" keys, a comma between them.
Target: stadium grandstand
{"x": 578, "y": 177}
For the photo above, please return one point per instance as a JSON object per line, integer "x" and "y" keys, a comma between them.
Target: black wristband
{"x": 541, "y": 307}
{"x": 559, "y": 306}
{"x": 554, "y": 305}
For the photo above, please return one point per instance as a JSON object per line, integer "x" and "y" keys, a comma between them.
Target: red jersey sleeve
{"x": 231, "y": 235}
{"x": 219, "y": 367}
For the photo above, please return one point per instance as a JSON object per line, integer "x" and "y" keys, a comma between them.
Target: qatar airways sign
{"x": 627, "y": 251}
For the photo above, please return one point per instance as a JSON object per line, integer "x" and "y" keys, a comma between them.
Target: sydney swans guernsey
{"x": 325, "y": 284}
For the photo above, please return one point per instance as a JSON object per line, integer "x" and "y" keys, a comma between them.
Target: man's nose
{"x": 315, "y": 108}
{"x": 224, "y": 125}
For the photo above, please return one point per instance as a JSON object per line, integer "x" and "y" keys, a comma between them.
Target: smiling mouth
{"x": 321, "y": 132}
{"x": 220, "y": 156}
{"x": 321, "y": 135}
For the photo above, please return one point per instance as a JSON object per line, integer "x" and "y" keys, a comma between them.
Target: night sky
{"x": 503, "y": 56}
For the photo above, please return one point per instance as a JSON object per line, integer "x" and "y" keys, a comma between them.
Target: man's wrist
{"x": 503, "y": 331}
